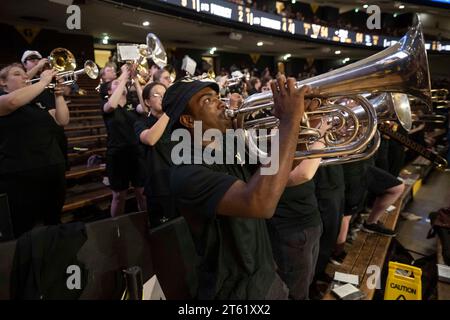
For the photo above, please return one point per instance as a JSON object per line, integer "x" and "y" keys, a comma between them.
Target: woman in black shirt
{"x": 31, "y": 162}
{"x": 152, "y": 132}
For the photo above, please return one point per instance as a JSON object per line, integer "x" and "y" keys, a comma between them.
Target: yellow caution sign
{"x": 403, "y": 282}
{"x": 416, "y": 187}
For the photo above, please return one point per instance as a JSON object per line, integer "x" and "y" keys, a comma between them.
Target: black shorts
{"x": 125, "y": 166}
{"x": 355, "y": 176}
{"x": 379, "y": 180}
{"x": 360, "y": 180}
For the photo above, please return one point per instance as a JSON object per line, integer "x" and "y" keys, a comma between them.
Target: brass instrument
{"x": 138, "y": 63}
{"x": 402, "y": 67}
{"x": 429, "y": 118}
{"x": 439, "y": 98}
{"x": 63, "y": 61}
{"x": 210, "y": 75}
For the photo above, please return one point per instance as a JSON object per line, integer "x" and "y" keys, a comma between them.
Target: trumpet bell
{"x": 62, "y": 60}
{"x": 91, "y": 69}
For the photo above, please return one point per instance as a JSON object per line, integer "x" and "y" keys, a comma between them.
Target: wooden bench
{"x": 82, "y": 139}
{"x": 86, "y": 118}
{"x": 369, "y": 249}
{"x": 81, "y": 155}
{"x": 443, "y": 288}
{"x": 90, "y": 197}
{"x": 95, "y": 105}
{"x": 82, "y": 171}
{"x": 85, "y": 111}
{"x": 84, "y": 128}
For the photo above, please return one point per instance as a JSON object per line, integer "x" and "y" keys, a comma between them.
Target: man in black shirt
{"x": 124, "y": 158}
{"x": 225, "y": 205}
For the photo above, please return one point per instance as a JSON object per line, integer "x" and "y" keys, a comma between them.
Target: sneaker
{"x": 378, "y": 228}
{"x": 410, "y": 216}
{"x": 338, "y": 259}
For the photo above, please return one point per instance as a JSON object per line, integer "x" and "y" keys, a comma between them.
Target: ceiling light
{"x": 356, "y": 10}
{"x": 260, "y": 44}
{"x": 146, "y": 23}
{"x": 365, "y": 6}
{"x": 401, "y": 6}
{"x": 395, "y": 15}
{"x": 286, "y": 56}
{"x": 213, "y": 50}
{"x": 337, "y": 52}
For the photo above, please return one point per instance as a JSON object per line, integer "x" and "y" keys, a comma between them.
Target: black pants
{"x": 331, "y": 207}
{"x": 296, "y": 257}
{"x": 35, "y": 196}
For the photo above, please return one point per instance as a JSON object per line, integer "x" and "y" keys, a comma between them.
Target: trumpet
{"x": 210, "y": 75}
{"x": 401, "y": 68}
{"x": 63, "y": 61}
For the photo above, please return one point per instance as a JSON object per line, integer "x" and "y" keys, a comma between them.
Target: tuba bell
{"x": 401, "y": 68}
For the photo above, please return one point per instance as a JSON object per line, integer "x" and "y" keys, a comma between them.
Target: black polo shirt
{"x": 120, "y": 126}
{"x": 158, "y": 159}
{"x": 236, "y": 255}
{"x": 27, "y": 139}
{"x": 297, "y": 209}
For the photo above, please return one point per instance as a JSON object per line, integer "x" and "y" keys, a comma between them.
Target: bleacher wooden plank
{"x": 74, "y": 155}
{"x": 370, "y": 249}
{"x": 85, "y": 118}
{"x": 86, "y": 138}
{"x": 84, "y": 128}
{"x": 82, "y": 171}
{"x": 86, "y": 199}
{"x": 81, "y": 111}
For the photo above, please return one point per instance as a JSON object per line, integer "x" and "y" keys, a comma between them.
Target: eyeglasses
{"x": 157, "y": 95}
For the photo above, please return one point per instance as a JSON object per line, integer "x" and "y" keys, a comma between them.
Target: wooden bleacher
{"x": 94, "y": 138}
{"x": 86, "y": 134}
{"x": 371, "y": 249}
{"x": 82, "y": 171}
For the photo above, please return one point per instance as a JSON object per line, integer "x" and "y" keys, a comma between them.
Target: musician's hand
{"x": 222, "y": 82}
{"x": 41, "y": 64}
{"x": 59, "y": 88}
{"x": 125, "y": 72}
{"x": 47, "y": 76}
{"x": 289, "y": 102}
{"x": 235, "y": 100}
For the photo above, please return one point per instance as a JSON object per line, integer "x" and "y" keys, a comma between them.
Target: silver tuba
{"x": 401, "y": 68}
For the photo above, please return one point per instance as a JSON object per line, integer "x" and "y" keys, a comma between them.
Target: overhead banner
{"x": 28, "y": 33}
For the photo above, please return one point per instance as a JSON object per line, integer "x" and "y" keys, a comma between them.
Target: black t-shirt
{"x": 158, "y": 159}
{"x": 329, "y": 178}
{"x": 104, "y": 92}
{"x": 27, "y": 140}
{"x": 297, "y": 209}
{"x": 120, "y": 126}
{"x": 236, "y": 255}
